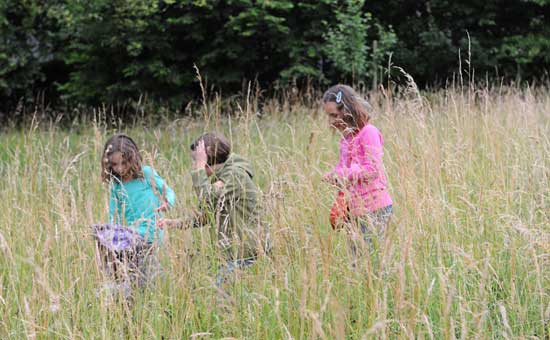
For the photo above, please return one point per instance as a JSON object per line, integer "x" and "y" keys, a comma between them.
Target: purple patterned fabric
{"x": 116, "y": 237}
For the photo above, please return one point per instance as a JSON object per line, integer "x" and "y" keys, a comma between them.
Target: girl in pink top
{"x": 360, "y": 172}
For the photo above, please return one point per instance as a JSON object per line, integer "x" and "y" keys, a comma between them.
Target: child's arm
{"x": 196, "y": 220}
{"x": 366, "y": 160}
{"x": 168, "y": 196}
{"x": 206, "y": 191}
{"x": 168, "y": 223}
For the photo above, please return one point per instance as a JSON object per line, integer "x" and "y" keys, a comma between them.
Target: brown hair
{"x": 130, "y": 152}
{"x": 350, "y": 103}
{"x": 217, "y": 147}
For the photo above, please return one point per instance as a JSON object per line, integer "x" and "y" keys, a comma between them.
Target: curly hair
{"x": 130, "y": 152}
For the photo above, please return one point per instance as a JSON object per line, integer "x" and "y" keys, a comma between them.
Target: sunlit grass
{"x": 466, "y": 256}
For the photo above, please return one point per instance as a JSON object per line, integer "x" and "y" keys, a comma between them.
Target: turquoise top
{"x": 133, "y": 203}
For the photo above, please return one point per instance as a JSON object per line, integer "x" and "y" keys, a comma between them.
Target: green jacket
{"x": 234, "y": 209}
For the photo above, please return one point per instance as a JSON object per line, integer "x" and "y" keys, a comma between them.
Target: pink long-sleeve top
{"x": 361, "y": 164}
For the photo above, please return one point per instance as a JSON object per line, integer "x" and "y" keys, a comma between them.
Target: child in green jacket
{"x": 229, "y": 201}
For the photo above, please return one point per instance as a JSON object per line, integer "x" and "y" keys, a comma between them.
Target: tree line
{"x": 95, "y": 52}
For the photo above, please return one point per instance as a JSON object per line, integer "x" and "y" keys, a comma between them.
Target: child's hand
{"x": 329, "y": 177}
{"x": 199, "y": 156}
{"x": 332, "y": 178}
{"x": 167, "y": 223}
{"x": 218, "y": 184}
{"x": 164, "y": 206}
{"x": 163, "y": 223}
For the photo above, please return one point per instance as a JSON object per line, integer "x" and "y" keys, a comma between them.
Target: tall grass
{"x": 466, "y": 256}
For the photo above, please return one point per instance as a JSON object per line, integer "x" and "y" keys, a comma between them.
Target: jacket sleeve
{"x": 365, "y": 158}
{"x": 206, "y": 192}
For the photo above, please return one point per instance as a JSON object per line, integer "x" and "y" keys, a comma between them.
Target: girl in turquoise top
{"x": 138, "y": 194}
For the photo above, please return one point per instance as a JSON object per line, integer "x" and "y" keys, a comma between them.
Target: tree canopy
{"x": 104, "y": 51}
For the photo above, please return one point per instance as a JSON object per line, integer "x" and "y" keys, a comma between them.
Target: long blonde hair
{"x": 130, "y": 152}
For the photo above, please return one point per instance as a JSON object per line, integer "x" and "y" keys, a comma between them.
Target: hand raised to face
{"x": 198, "y": 155}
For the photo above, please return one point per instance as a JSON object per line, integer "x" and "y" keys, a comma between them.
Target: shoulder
{"x": 369, "y": 134}
{"x": 149, "y": 174}
{"x": 236, "y": 168}
{"x": 369, "y": 129}
{"x": 147, "y": 170}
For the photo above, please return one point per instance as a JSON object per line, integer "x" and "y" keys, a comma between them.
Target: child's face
{"x": 120, "y": 166}
{"x": 335, "y": 116}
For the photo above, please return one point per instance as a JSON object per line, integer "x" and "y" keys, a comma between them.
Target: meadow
{"x": 466, "y": 255}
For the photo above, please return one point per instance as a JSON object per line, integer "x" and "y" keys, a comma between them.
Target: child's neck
{"x": 127, "y": 179}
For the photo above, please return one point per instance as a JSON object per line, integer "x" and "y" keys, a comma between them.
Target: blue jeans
{"x": 225, "y": 271}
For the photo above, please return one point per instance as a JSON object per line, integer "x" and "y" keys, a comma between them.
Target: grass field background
{"x": 466, "y": 256}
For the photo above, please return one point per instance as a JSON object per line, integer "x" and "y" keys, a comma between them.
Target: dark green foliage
{"x": 504, "y": 37}
{"x": 103, "y": 51}
{"x": 29, "y": 46}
